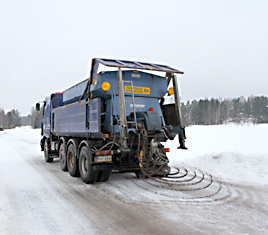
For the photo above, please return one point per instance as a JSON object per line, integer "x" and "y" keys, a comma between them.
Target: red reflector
{"x": 103, "y": 152}
{"x": 151, "y": 109}
{"x": 164, "y": 150}
{"x": 167, "y": 150}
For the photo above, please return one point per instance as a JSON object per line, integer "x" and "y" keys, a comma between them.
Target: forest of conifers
{"x": 213, "y": 111}
{"x": 217, "y": 111}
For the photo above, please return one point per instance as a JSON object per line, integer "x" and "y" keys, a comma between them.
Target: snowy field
{"x": 237, "y": 153}
{"x": 219, "y": 186}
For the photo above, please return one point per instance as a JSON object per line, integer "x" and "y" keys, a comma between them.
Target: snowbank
{"x": 238, "y": 154}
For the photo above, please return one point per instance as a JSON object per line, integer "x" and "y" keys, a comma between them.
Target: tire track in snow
{"x": 185, "y": 185}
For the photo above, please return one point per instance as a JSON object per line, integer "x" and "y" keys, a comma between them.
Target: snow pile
{"x": 238, "y": 154}
{"x": 234, "y": 167}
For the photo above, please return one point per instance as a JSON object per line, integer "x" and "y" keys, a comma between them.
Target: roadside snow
{"x": 235, "y": 153}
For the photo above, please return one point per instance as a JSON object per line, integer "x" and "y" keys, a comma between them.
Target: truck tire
{"x": 46, "y": 151}
{"x": 72, "y": 161}
{"x": 62, "y": 157}
{"x": 104, "y": 175}
{"x": 88, "y": 175}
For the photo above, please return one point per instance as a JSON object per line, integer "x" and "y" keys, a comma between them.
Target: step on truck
{"x": 114, "y": 120}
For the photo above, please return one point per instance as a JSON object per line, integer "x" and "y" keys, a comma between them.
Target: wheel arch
{"x": 82, "y": 144}
{"x": 63, "y": 140}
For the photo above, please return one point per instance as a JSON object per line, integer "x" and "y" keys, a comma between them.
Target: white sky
{"x": 46, "y": 46}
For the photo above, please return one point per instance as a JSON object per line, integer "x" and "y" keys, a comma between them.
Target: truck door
{"x": 47, "y": 120}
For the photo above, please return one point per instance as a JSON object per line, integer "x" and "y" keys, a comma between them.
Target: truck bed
{"x": 79, "y": 119}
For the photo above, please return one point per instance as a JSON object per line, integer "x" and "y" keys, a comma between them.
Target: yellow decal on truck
{"x": 141, "y": 159}
{"x": 138, "y": 90}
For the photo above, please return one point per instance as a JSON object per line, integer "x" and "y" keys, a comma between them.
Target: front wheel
{"x": 88, "y": 175}
{"x": 62, "y": 157}
{"x": 46, "y": 150}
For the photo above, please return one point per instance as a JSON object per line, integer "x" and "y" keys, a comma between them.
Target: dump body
{"x": 79, "y": 119}
{"x": 83, "y": 119}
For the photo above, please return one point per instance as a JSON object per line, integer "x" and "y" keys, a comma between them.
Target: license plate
{"x": 107, "y": 158}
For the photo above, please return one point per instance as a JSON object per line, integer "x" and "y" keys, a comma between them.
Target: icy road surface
{"x": 218, "y": 186}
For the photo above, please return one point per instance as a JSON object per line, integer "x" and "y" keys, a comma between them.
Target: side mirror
{"x": 37, "y": 107}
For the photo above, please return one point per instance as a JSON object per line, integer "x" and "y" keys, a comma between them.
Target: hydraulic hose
{"x": 158, "y": 160}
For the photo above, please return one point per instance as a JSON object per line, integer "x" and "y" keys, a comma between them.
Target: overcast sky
{"x": 46, "y": 45}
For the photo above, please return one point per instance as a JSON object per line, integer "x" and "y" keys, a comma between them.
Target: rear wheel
{"x": 88, "y": 175}
{"x": 46, "y": 150}
{"x": 72, "y": 161}
{"x": 62, "y": 157}
{"x": 104, "y": 175}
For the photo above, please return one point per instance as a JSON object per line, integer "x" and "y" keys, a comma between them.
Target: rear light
{"x": 103, "y": 153}
{"x": 151, "y": 109}
{"x": 165, "y": 150}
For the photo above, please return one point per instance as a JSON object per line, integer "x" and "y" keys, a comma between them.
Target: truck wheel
{"x": 104, "y": 175}
{"x": 62, "y": 157}
{"x": 46, "y": 155}
{"x": 88, "y": 175}
{"x": 72, "y": 161}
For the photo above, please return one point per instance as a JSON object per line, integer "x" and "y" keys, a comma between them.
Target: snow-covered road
{"x": 215, "y": 189}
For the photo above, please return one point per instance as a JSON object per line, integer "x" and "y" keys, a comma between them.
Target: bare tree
{"x": 35, "y": 119}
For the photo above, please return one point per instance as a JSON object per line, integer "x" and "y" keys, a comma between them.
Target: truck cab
{"x": 51, "y": 102}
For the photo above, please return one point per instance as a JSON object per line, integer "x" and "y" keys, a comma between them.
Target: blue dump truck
{"x": 114, "y": 120}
